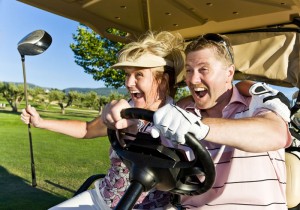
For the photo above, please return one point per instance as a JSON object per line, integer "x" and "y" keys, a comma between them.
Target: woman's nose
{"x": 130, "y": 81}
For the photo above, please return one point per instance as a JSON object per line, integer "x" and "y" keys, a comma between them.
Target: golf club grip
{"x": 33, "y": 176}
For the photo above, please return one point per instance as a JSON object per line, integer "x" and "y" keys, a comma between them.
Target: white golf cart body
{"x": 264, "y": 34}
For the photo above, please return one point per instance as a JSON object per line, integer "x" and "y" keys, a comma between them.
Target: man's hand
{"x": 263, "y": 96}
{"x": 30, "y": 115}
{"x": 174, "y": 122}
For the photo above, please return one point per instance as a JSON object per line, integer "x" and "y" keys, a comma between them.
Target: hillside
{"x": 100, "y": 91}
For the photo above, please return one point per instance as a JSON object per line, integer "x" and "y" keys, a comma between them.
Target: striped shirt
{"x": 244, "y": 180}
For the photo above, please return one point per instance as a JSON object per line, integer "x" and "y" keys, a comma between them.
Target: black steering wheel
{"x": 152, "y": 164}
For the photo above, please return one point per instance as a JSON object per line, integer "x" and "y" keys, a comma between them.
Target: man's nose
{"x": 196, "y": 78}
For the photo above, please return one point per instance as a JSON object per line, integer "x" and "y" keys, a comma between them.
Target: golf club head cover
{"x": 174, "y": 122}
{"x": 263, "y": 96}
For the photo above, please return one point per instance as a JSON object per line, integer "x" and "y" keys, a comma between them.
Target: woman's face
{"x": 143, "y": 87}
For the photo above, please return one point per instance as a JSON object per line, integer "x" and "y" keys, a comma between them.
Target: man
{"x": 246, "y": 138}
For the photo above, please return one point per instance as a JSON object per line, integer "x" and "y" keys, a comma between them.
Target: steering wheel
{"x": 152, "y": 164}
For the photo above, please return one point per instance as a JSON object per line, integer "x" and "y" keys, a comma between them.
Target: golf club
{"x": 34, "y": 43}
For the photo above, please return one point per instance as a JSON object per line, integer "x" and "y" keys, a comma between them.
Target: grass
{"x": 62, "y": 163}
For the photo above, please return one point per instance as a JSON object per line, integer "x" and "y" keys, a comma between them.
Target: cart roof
{"x": 194, "y": 17}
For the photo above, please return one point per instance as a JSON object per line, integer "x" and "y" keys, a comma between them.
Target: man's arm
{"x": 264, "y": 132}
{"x": 261, "y": 133}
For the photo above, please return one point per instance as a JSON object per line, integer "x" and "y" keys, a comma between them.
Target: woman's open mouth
{"x": 136, "y": 94}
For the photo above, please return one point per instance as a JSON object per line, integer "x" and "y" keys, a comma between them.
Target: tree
{"x": 39, "y": 95}
{"x": 63, "y": 100}
{"x": 182, "y": 92}
{"x": 13, "y": 94}
{"x": 80, "y": 100}
{"x": 57, "y": 95}
{"x": 92, "y": 100}
{"x": 97, "y": 54}
{"x": 114, "y": 95}
{"x": 103, "y": 100}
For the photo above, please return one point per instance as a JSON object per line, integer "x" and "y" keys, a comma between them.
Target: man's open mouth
{"x": 200, "y": 91}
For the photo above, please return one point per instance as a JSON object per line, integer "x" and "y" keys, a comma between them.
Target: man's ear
{"x": 230, "y": 73}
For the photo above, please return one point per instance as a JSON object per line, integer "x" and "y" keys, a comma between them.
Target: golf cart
{"x": 265, "y": 31}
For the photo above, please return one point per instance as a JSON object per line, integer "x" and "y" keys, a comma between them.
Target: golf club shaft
{"x": 33, "y": 177}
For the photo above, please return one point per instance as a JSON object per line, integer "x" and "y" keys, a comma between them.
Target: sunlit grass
{"x": 62, "y": 163}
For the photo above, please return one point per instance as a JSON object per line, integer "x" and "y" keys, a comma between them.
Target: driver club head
{"x": 34, "y": 43}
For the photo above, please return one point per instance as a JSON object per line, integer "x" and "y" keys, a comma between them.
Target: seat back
{"x": 293, "y": 178}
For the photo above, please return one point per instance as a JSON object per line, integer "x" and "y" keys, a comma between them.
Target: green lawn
{"x": 62, "y": 163}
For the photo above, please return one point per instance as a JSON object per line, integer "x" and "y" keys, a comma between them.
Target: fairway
{"x": 62, "y": 163}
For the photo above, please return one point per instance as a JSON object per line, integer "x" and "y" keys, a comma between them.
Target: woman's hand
{"x": 111, "y": 115}
{"x": 30, "y": 115}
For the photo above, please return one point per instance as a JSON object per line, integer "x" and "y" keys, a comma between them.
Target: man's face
{"x": 207, "y": 77}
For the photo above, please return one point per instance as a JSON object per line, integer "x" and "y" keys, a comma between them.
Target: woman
{"x": 151, "y": 65}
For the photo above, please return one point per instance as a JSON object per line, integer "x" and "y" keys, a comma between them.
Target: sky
{"x": 56, "y": 67}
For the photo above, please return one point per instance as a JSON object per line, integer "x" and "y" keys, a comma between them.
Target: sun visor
{"x": 272, "y": 57}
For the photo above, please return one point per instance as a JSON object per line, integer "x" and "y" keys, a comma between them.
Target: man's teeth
{"x": 199, "y": 89}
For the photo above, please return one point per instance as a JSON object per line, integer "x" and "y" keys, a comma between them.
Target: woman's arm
{"x": 74, "y": 128}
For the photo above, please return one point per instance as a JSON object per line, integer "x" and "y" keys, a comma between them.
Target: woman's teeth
{"x": 136, "y": 94}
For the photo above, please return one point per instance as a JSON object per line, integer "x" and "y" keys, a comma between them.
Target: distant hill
{"x": 100, "y": 91}
{"x": 28, "y": 84}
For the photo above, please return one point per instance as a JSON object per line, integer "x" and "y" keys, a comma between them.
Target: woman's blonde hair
{"x": 163, "y": 44}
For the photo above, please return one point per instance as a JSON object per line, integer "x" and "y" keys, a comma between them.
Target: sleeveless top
{"x": 113, "y": 186}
